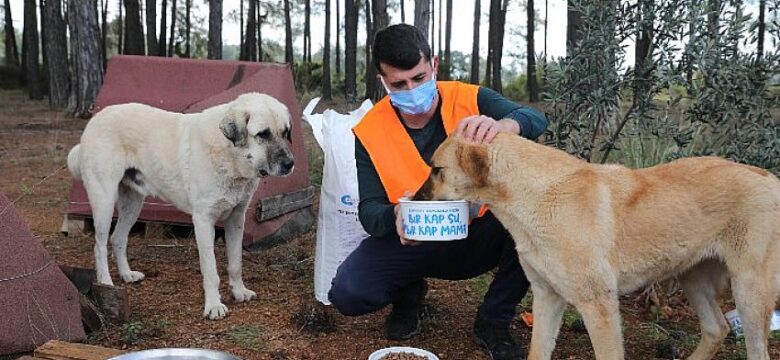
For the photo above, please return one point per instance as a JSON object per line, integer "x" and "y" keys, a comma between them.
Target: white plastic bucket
{"x": 379, "y": 354}
{"x": 435, "y": 220}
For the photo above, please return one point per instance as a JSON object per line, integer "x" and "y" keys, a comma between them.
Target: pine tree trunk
{"x": 533, "y": 89}
{"x": 447, "y": 40}
{"x": 761, "y": 28}
{"x": 250, "y": 43}
{"x": 644, "y": 38}
{"x": 151, "y": 28}
{"x": 422, "y": 15}
{"x": 492, "y": 33}
{"x": 11, "y": 51}
{"x": 173, "y": 29}
{"x": 162, "y": 49}
{"x": 350, "y": 44}
{"x": 120, "y": 29}
{"x": 381, "y": 20}
{"x": 573, "y": 28}
{"x": 546, "y": 17}
{"x": 307, "y": 31}
{"x": 338, "y": 38}
{"x": 85, "y": 43}
{"x": 370, "y": 84}
{"x": 31, "y": 50}
{"x": 134, "y": 37}
{"x": 288, "y": 46}
{"x": 433, "y": 27}
{"x": 104, "y": 30}
{"x": 215, "y": 29}
{"x": 241, "y": 47}
{"x": 403, "y": 11}
{"x": 475, "y": 44}
{"x": 42, "y": 37}
{"x": 260, "y": 19}
{"x": 326, "y": 86}
{"x": 57, "y": 53}
{"x": 187, "y": 28}
{"x": 499, "y": 47}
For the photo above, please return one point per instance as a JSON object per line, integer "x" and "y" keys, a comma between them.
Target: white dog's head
{"x": 259, "y": 127}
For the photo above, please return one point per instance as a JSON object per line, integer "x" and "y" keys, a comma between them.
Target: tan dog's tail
{"x": 74, "y": 161}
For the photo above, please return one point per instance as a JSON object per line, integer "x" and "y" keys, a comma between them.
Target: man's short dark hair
{"x": 400, "y": 46}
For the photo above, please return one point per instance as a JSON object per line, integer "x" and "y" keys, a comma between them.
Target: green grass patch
{"x": 248, "y": 336}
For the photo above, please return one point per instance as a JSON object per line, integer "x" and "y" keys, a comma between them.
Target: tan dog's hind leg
{"x": 702, "y": 283}
{"x": 601, "y": 315}
{"x": 548, "y": 308}
{"x": 755, "y": 305}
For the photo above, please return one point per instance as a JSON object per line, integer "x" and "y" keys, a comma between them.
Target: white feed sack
{"x": 338, "y": 229}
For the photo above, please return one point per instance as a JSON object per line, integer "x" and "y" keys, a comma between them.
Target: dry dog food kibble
{"x": 403, "y": 356}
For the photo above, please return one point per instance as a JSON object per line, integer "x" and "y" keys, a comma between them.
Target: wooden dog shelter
{"x": 281, "y": 207}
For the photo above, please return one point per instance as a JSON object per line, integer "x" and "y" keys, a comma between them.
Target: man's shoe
{"x": 497, "y": 341}
{"x": 404, "y": 321}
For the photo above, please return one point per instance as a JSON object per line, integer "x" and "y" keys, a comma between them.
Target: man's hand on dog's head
{"x": 483, "y": 129}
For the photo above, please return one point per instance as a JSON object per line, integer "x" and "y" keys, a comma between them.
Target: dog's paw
{"x": 243, "y": 294}
{"x": 132, "y": 276}
{"x": 215, "y": 312}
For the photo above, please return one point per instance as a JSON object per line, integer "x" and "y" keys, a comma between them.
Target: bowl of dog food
{"x": 176, "y": 354}
{"x": 435, "y": 220}
{"x": 402, "y": 353}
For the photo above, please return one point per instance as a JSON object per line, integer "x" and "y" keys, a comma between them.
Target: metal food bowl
{"x": 379, "y": 354}
{"x": 176, "y": 354}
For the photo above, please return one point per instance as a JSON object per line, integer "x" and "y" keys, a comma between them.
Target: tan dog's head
{"x": 259, "y": 128}
{"x": 460, "y": 170}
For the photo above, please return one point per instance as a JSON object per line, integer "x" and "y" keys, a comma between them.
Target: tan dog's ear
{"x": 233, "y": 126}
{"x": 475, "y": 162}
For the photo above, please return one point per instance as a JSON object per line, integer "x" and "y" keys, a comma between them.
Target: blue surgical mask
{"x": 414, "y": 101}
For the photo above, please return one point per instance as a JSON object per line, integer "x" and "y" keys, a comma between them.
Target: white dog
{"x": 207, "y": 164}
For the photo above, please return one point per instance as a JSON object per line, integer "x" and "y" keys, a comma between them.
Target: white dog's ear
{"x": 233, "y": 126}
{"x": 475, "y": 162}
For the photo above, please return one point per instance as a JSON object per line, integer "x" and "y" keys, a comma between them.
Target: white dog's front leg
{"x": 234, "y": 233}
{"x": 204, "y": 235}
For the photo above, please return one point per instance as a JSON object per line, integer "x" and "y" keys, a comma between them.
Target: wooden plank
{"x": 73, "y": 226}
{"x": 274, "y": 206}
{"x": 112, "y": 301}
{"x": 61, "y": 350}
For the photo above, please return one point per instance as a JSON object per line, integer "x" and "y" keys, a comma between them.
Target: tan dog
{"x": 587, "y": 233}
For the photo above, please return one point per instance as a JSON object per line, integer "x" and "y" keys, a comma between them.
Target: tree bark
{"x": 370, "y": 84}
{"x": 11, "y": 51}
{"x": 31, "y": 50}
{"x": 761, "y": 28}
{"x": 495, "y": 6}
{"x": 241, "y": 47}
{"x": 134, "y": 36}
{"x": 120, "y": 29}
{"x": 350, "y": 43}
{"x": 85, "y": 44}
{"x": 403, "y": 11}
{"x": 104, "y": 30}
{"x": 447, "y": 39}
{"x": 644, "y": 39}
{"x": 573, "y": 28}
{"x": 433, "y": 27}
{"x": 57, "y": 53}
{"x": 338, "y": 38}
{"x": 326, "y": 86}
{"x": 307, "y": 31}
{"x": 42, "y": 35}
{"x": 187, "y": 28}
{"x": 162, "y": 50}
{"x": 474, "y": 79}
{"x": 499, "y": 47}
{"x": 250, "y": 41}
{"x": 173, "y": 29}
{"x": 422, "y": 15}
{"x": 533, "y": 89}
{"x": 288, "y": 46}
{"x": 215, "y": 29}
{"x": 151, "y": 28}
{"x": 546, "y": 16}
{"x": 260, "y": 19}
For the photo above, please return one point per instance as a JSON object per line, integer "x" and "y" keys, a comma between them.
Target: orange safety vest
{"x": 400, "y": 166}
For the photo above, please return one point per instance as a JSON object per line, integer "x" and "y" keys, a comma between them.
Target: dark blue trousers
{"x": 371, "y": 277}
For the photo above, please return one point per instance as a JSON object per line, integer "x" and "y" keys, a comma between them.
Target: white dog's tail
{"x": 74, "y": 161}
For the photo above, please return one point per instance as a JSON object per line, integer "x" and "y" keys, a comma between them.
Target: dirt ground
{"x": 283, "y": 322}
